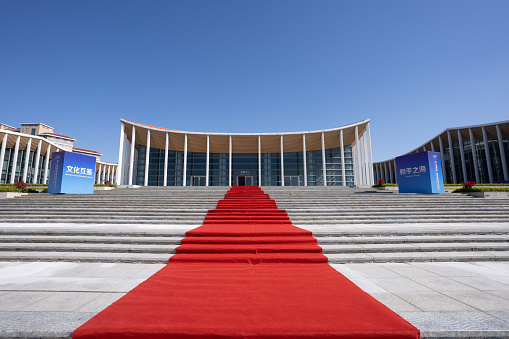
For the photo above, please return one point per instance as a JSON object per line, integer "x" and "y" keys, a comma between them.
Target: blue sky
{"x": 413, "y": 67}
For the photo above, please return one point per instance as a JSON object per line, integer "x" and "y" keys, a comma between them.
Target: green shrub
{"x": 9, "y": 188}
{"x": 104, "y": 185}
{"x": 482, "y": 189}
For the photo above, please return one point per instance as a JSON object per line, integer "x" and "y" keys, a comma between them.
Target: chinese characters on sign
{"x": 412, "y": 170}
{"x": 79, "y": 170}
{"x": 420, "y": 173}
{"x": 71, "y": 173}
{"x": 435, "y": 159}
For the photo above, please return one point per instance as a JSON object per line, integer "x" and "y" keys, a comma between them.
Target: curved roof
{"x": 57, "y": 136}
{"x": 242, "y": 142}
{"x": 434, "y": 143}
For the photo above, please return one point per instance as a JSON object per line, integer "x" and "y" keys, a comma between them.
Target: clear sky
{"x": 413, "y": 67}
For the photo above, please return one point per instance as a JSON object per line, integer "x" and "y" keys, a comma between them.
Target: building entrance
{"x": 244, "y": 180}
{"x": 198, "y": 181}
{"x": 291, "y": 181}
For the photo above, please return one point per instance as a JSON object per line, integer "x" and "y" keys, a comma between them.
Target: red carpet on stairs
{"x": 247, "y": 273}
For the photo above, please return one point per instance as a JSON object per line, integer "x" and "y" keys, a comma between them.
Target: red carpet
{"x": 247, "y": 273}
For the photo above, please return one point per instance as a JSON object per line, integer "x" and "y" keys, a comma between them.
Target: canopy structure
{"x": 149, "y": 139}
{"x": 26, "y": 157}
{"x": 477, "y": 153}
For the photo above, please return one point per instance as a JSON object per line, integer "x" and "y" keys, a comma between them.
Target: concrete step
{"x": 421, "y": 219}
{"x": 409, "y": 239}
{"x": 119, "y": 221}
{"x": 418, "y": 256}
{"x": 89, "y": 239}
{"x": 82, "y": 247}
{"x": 148, "y": 258}
{"x": 414, "y": 247}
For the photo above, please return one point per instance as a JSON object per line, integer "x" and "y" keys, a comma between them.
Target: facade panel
{"x": 254, "y": 156}
{"x": 489, "y": 156}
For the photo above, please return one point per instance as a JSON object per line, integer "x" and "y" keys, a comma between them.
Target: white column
{"x": 462, "y": 156}
{"x": 424, "y": 148}
{"x": 147, "y": 159}
{"x": 125, "y": 162}
{"x": 27, "y": 159}
{"x": 98, "y": 178}
{"x": 451, "y": 154}
{"x": 2, "y": 155}
{"x": 185, "y": 161}
{"x": 15, "y": 160}
{"x": 165, "y": 178}
{"x": 361, "y": 161}
{"x": 304, "y": 159}
{"x": 356, "y": 158}
{"x": 230, "y": 162}
{"x": 487, "y": 152}
{"x": 432, "y": 147}
{"x": 37, "y": 156}
{"x": 131, "y": 161}
{"x": 386, "y": 177}
{"x": 442, "y": 159}
{"x": 259, "y": 161}
{"x": 109, "y": 173}
{"x": 366, "y": 159}
{"x": 474, "y": 155}
{"x": 343, "y": 165}
{"x": 370, "y": 156}
{"x": 207, "y": 162}
{"x": 502, "y": 153}
{"x": 282, "y": 164}
{"x": 103, "y": 174}
{"x": 46, "y": 165}
{"x": 120, "y": 153}
{"x": 324, "y": 169}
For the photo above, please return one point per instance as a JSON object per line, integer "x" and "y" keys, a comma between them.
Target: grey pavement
{"x": 443, "y": 300}
{"x": 52, "y": 299}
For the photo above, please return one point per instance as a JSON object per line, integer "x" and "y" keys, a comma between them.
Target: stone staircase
{"x": 343, "y": 205}
{"x": 144, "y": 205}
{"x": 366, "y": 225}
{"x": 143, "y": 224}
{"x": 351, "y": 225}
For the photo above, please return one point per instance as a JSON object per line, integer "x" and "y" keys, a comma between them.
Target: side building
{"x": 477, "y": 153}
{"x": 25, "y": 154}
{"x": 155, "y": 156}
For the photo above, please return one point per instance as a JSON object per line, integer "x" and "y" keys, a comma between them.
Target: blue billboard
{"x": 420, "y": 173}
{"x": 71, "y": 173}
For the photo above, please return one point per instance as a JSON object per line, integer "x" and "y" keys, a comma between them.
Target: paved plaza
{"x": 467, "y": 300}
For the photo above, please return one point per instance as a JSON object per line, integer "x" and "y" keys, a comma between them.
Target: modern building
{"x": 155, "y": 156}
{"x": 477, "y": 153}
{"x": 25, "y": 154}
{"x": 35, "y": 128}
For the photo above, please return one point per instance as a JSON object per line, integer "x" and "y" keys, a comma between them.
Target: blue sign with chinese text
{"x": 420, "y": 173}
{"x": 71, "y": 173}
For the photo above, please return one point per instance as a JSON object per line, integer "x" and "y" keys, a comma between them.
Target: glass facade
{"x": 492, "y": 149}
{"x": 293, "y": 165}
{"x": 8, "y": 163}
